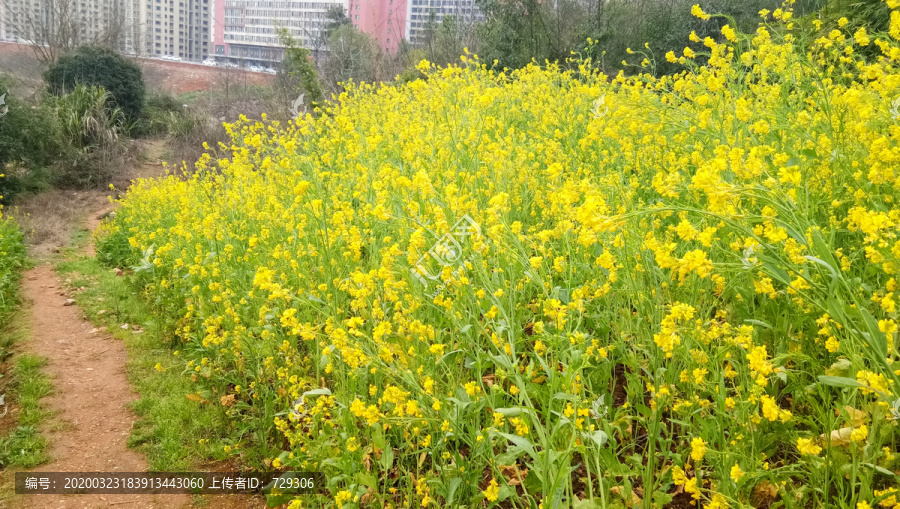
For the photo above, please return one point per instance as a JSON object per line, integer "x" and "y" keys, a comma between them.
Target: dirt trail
{"x": 87, "y": 368}
{"x": 91, "y": 395}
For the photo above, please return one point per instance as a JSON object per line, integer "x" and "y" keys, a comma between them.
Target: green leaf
{"x": 839, "y": 368}
{"x": 521, "y": 443}
{"x": 509, "y": 412}
{"x": 839, "y": 381}
{"x": 587, "y": 503}
{"x": 877, "y": 340}
{"x": 880, "y": 470}
{"x": 378, "y": 439}
{"x": 834, "y": 274}
{"x": 448, "y": 355}
{"x": 599, "y": 437}
{"x": 758, "y": 322}
{"x": 324, "y": 391}
{"x": 367, "y": 479}
{"x": 387, "y": 458}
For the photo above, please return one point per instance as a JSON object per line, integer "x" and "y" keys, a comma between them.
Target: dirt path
{"x": 90, "y": 397}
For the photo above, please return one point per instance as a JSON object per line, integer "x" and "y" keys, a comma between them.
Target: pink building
{"x": 383, "y": 20}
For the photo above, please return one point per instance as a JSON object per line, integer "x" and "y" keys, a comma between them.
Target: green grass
{"x": 174, "y": 432}
{"x": 24, "y": 446}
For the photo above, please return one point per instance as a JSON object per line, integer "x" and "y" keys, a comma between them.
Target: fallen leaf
{"x": 196, "y": 397}
{"x": 838, "y": 437}
{"x": 764, "y": 494}
{"x": 857, "y": 416}
{"x": 512, "y": 474}
{"x": 227, "y": 400}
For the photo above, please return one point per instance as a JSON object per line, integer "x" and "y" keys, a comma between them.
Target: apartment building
{"x": 246, "y": 31}
{"x": 176, "y": 28}
{"x": 419, "y": 12}
{"x": 383, "y": 20}
{"x": 84, "y": 21}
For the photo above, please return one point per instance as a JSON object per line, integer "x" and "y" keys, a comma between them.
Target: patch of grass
{"x": 24, "y": 446}
{"x": 174, "y": 432}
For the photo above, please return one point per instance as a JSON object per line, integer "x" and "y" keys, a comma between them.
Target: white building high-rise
{"x": 178, "y": 28}
{"x": 419, "y": 12}
{"x": 247, "y": 30}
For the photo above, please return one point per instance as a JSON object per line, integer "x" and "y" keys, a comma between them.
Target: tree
{"x": 352, "y": 55}
{"x": 335, "y": 17}
{"x": 57, "y": 27}
{"x": 447, "y": 40}
{"x": 515, "y": 32}
{"x": 95, "y": 66}
{"x": 297, "y": 74}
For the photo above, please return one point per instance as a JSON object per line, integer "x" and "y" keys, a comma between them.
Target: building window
{"x": 357, "y": 17}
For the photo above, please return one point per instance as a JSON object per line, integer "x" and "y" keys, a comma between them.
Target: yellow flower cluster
{"x": 449, "y": 291}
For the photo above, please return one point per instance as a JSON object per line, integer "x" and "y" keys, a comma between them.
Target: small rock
{"x": 124, "y": 326}
{"x": 101, "y": 312}
{"x": 94, "y": 331}
{"x": 135, "y": 327}
{"x": 69, "y": 302}
{"x": 90, "y": 369}
{"x": 32, "y": 278}
{"x": 118, "y": 271}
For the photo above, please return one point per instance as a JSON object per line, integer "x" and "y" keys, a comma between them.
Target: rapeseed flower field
{"x": 12, "y": 260}
{"x": 552, "y": 288}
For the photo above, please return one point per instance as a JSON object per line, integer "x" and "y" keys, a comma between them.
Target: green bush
{"x": 102, "y": 67}
{"x": 155, "y": 116}
{"x": 92, "y": 131}
{"x": 29, "y": 143}
{"x": 115, "y": 250}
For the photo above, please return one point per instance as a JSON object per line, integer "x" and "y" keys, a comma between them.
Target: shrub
{"x": 155, "y": 117}
{"x": 92, "y": 130}
{"x": 297, "y": 73}
{"x": 29, "y": 142}
{"x": 94, "y": 66}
